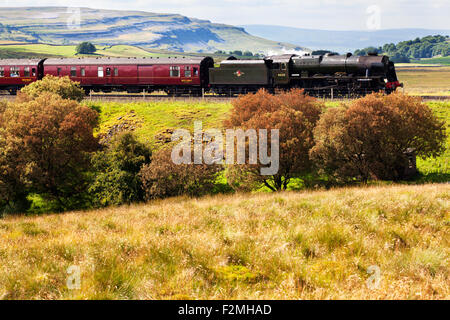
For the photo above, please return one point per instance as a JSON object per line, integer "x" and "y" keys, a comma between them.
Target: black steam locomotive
{"x": 323, "y": 75}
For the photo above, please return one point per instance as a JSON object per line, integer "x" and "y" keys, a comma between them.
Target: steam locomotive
{"x": 335, "y": 75}
{"x": 322, "y": 75}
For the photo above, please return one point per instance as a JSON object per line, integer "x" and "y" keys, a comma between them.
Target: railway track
{"x": 147, "y": 97}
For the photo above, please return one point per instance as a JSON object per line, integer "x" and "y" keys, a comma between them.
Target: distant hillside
{"x": 341, "y": 41}
{"x": 55, "y": 25}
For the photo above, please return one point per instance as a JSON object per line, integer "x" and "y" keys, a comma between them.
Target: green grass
{"x": 152, "y": 119}
{"x": 437, "y": 169}
{"x": 46, "y": 50}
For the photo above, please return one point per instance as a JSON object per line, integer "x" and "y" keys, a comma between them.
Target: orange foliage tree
{"x": 295, "y": 115}
{"x": 162, "y": 178}
{"x": 370, "y": 138}
{"x": 45, "y": 143}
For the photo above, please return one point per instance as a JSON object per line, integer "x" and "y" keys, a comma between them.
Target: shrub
{"x": 295, "y": 115}
{"x": 45, "y": 148}
{"x": 85, "y": 48}
{"x": 370, "y": 137}
{"x": 62, "y": 86}
{"x": 162, "y": 178}
{"x": 116, "y": 171}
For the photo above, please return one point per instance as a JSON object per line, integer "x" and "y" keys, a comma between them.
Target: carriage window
{"x": 100, "y": 72}
{"x": 283, "y": 66}
{"x": 2, "y": 72}
{"x": 73, "y": 71}
{"x": 83, "y": 72}
{"x": 195, "y": 72}
{"x": 108, "y": 71}
{"x": 33, "y": 72}
{"x": 58, "y": 71}
{"x": 14, "y": 72}
{"x": 116, "y": 72}
{"x": 26, "y": 71}
{"x": 187, "y": 72}
{"x": 174, "y": 71}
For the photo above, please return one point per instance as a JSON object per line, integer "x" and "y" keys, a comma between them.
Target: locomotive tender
{"x": 324, "y": 75}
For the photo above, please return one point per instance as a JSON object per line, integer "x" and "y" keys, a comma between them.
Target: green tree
{"x": 116, "y": 171}
{"x": 85, "y": 48}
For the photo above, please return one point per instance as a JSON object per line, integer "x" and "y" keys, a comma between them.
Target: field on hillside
{"x": 46, "y": 50}
{"x": 310, "y": 245}
{"x": 442, "y": 60}
{"x": 153, "y": 123}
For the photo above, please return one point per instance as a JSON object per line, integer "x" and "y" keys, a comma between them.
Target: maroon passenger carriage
{"x": 175, "y": 76}
{"x": 17, "y": 73}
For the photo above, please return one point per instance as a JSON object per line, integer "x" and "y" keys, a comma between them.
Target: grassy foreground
{"x": 311, "y": 245}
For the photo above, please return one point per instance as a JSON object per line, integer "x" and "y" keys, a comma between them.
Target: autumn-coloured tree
{"x": 45, "y": 144}
{"x": 62, "y": 86}
{"x": 162, "y": 178}
{"x": 370, "y": 138}
{"x": 13, "y": 195}
{"x": 295, "y": 115}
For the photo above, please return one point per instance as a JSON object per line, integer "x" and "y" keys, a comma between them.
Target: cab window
{"x": 33, "y": 72}
{"x": 100, "y": 72}
{"x": 187, "y": 72}
{"x": 174, "y": 71}
{"x": 58, "y": 71}
{"x": 73, "y": 71}
{"x": 26, "y": 71}
{"x": 83, "y": 72}
{"x": 283, "y": 66}
{"x": 116, "y": 72}
{"x": 195, "y": 72}
{"x": 2, "y": 72}
{"x": 108, "y": 71}
{"x": 14, "y": 71}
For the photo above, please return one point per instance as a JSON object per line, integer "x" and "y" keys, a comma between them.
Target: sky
{"x": 312, "y": 14}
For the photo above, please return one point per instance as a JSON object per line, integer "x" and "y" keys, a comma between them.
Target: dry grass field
{"x": 425, "y": 80}
{"x": 308, "y": 245}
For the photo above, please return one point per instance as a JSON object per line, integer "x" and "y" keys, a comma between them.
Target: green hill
{"x": 55, "y": 25}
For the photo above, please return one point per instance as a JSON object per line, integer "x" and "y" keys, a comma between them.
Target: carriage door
{"x": 109, "y": 71}
{"x": 145, "y": 75}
